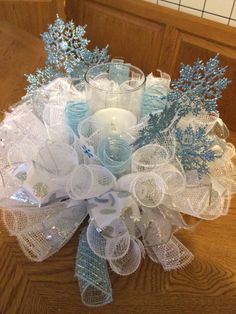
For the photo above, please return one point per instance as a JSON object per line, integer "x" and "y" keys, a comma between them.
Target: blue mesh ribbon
{"x": 92, "y": 274}
{"x": 154, "y": 99}
{"x": 75, "y": 112}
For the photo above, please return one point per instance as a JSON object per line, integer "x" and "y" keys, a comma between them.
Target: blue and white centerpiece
{"x": 100, "y": 140}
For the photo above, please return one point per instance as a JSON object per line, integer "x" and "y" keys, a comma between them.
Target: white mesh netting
{"x": 43, "y": 231}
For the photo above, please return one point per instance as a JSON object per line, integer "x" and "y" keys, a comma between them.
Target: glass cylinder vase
{"x": 116, "y": 85}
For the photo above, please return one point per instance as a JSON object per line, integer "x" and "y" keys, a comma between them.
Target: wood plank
{"x": 20, "y": 53}
{"x": 32, "y": 16}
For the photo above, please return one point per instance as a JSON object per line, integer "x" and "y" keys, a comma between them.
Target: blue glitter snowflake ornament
{"x": 202, "y": 84}
{"x": 197, "y": 89}
{"x": 194, "y": 149}
{"x": 41, "y": 77}
{"x": 67, "y": 54}
{"x": 157, "y": 124}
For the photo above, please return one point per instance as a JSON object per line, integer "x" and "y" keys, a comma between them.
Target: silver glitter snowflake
{"x": 67, "y": 54}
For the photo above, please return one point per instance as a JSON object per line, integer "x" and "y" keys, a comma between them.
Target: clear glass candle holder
{"x": 116, "y": 85}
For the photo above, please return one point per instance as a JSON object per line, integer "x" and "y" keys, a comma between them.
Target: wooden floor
{"x": 208, "y": 285}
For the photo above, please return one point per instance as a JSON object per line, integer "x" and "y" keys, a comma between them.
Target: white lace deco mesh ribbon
{"x": 43, "y": 231}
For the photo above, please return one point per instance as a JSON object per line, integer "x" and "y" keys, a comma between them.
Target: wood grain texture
{"x": 32, "y": 16}
{"x": 154, "y": 37}
{"x": 207, "y": 286}
{"x": 20, "y": 53}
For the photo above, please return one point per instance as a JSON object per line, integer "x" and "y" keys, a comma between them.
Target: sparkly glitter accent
{"x": 40, "y": 189}
{"x": 67, "y": 54}
{"x": 22, "y": 176}
{"x": 92, "y": 274}
{"x": 201, "y": 83}
{"x": 194, "y": 149}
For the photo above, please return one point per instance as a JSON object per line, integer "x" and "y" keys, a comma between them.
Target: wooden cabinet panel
{"x": 128, "y": 36}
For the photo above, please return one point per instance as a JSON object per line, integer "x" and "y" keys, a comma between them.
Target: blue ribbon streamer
{"x": 92, "y": 274}
{"x": 75, "y": 112}
{"x": 154, "y": 99}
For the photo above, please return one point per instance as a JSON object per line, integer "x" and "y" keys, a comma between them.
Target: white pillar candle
{"x": 116, "y": 119}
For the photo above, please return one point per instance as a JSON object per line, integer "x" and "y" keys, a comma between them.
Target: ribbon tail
{"x": 172, "y": 255}
{"x": 92, "y": 274}
{"x": 43, "y": 232}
